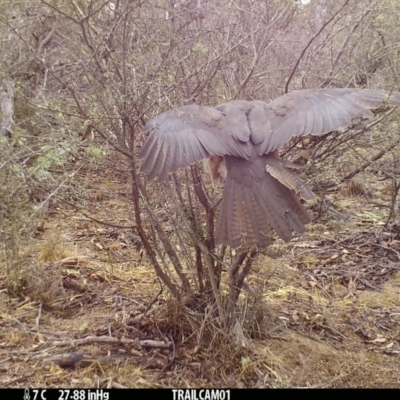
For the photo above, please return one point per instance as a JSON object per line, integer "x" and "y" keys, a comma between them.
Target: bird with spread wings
{"x": 240, "y": 139}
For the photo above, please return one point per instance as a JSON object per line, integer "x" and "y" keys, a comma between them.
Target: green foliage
{"x": 15, "y": 221}
{"x": 200, "y": 48}
{"x": 95, "y": 152}
{"x": 49, "y": 156}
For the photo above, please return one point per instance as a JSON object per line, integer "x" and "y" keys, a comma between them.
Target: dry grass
{"x": 356, "y": 188}
{"x": 309, "y": 318}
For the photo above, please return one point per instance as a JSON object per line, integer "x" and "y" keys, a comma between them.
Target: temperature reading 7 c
{"x": 64, "y": 394}
{"x": 36, "y": 395}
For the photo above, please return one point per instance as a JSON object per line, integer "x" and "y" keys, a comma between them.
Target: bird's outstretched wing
{"x": 181, "y": 137}
{"x": 259, "y": 190}
{"x": 312, "y": 112}
{"x": 184, "y": 136}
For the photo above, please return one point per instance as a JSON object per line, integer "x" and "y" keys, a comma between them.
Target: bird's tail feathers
{"x": 248, "y": 212}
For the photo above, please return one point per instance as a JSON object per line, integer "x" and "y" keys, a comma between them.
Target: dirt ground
{"x": 92, "y": 312}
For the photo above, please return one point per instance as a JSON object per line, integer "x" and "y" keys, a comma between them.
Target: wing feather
{"x": 179, "y": 138}
{"x": 316, "y": 112}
